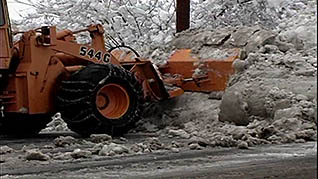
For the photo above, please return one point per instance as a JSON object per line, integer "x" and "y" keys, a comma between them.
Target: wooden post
{"x": 183, "y": 15}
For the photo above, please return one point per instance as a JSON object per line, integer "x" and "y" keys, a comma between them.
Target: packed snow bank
{"x": 194, "y": 117}
{"x": 280, "y": 74}
{"x": 272, "y": 97}
{"x": 272, "y": 82}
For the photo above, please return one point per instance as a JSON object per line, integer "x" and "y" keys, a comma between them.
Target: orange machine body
{"x": 192, "y": 74}
{"x": 179, "y": 72}
{"x": 47, "y": 57}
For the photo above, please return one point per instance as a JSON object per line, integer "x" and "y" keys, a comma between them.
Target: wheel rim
{"x": 112, "y": 101}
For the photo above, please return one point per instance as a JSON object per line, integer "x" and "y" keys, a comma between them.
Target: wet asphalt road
{"x": 270, "y": 161}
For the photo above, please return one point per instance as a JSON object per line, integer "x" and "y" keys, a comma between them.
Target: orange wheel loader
{"x": 94, "y": 89}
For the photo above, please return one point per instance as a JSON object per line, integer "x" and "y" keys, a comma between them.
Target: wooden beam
{"x": 183, "y": 15}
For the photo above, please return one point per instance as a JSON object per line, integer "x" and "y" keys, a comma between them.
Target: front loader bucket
{"x": 187, "y": 72}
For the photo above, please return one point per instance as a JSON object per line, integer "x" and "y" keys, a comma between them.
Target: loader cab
{"x": 5, "y": 36}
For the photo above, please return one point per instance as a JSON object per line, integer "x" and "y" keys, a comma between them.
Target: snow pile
{"x": 5, "y": 149}
{"x": 57, "y": 124}
{"x": 100, "y": 138}
{"x": 113, "y": 149}
{"x": 36, "y": 154}
{"x": 64, "y": 141}
{"x": 78, "y": 153}
{"x": 272, "y": 98}
{"x": 278, "y": 74}
{"x": 195, "y": 118}
{"x": 295, "y": 21}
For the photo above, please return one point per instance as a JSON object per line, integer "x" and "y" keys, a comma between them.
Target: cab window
{"x": 1, "y": 14}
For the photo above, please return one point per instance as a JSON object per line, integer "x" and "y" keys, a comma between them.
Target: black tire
{"x": 77, "y": 100}
{"x": 23, "y": 125}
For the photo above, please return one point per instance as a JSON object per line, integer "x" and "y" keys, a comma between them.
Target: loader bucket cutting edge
{"x": 182, "y": 69}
